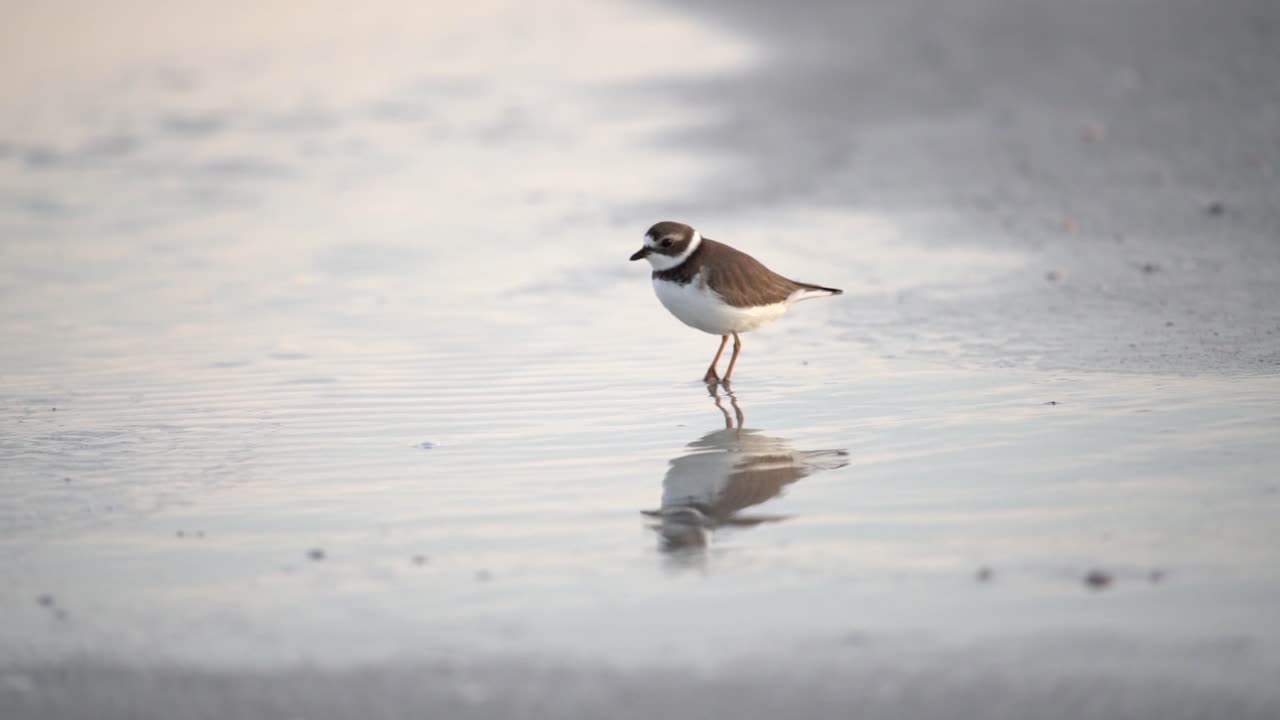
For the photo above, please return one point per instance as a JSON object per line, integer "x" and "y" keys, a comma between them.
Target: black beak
{"x": 641, "y": 253}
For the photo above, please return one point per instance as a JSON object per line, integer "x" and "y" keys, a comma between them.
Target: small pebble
{"x": 315, "y": 554}
{"x": 1097, "y": 579}
{"x": 855, "y": 639}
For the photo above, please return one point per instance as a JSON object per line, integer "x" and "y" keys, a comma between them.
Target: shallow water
{"x": 327, "y": 348}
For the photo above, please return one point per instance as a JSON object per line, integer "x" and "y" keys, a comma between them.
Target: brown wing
{"x": 742, "y": 280}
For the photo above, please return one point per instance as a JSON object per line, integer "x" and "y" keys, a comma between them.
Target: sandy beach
{"x": 327, "y": 390}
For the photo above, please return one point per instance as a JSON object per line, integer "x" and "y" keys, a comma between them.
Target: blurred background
{"x": 326, "y": 388}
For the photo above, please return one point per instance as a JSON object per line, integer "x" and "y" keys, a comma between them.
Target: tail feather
{"x": 804, "y": 291}
{"x": 827, "y": 290}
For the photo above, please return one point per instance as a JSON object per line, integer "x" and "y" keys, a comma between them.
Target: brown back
{"x": 737, "y": 277}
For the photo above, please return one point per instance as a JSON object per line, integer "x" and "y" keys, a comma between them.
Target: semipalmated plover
{"x": 719, "y": 290}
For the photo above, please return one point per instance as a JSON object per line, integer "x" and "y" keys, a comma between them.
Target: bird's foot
{"x": 711, "y": 378}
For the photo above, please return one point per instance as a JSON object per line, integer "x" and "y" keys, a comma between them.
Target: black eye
{"x": 666, "y": 242}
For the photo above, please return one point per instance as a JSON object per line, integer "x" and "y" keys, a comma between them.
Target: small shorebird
{"x": 719, "y": 290}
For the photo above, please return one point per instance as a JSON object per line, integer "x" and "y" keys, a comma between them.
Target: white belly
{"x": 698, "y": 307}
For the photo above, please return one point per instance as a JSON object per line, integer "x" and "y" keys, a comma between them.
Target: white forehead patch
{"x": 666, "y": 262}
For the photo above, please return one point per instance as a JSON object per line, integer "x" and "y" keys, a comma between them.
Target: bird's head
{"x": 667, "y": 244}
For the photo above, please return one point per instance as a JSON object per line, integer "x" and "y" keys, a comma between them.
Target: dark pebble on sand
{"x": 315, "y": 554}
{"x": 1097, "y": 579}
{"x": 855, "y": 639}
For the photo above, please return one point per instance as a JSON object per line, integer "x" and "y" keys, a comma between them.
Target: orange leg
{"x": 711, "y": 376}
{"x": 737, "y": 348}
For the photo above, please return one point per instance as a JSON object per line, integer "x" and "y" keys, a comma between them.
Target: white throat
{"x": 666, "y": 262}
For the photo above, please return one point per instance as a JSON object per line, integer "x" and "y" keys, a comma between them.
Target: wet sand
{"x": 327, "y": 390}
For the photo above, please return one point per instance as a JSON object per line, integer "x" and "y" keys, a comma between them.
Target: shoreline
{"x": 320, "y": 473}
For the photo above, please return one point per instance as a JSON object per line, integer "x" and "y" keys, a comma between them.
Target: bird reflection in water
{"x": 727, "y": 472}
